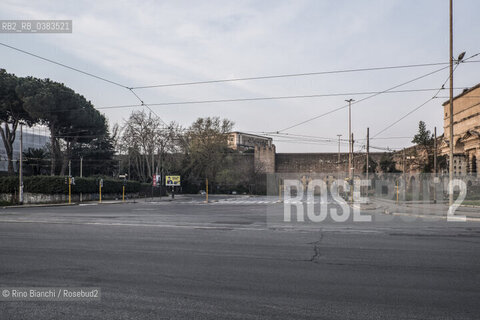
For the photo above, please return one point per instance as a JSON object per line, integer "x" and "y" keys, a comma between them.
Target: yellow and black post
{"x": 100, "y": 185}
{"x": 206, "y": 190}
{"x": 397, "y": 191}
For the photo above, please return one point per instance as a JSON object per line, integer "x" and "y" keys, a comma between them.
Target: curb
{"x": 469, "y": 206}
{"x": 43, "y": 205}
{"x": 431, "y": 216}
{"x": 40, "y": 205}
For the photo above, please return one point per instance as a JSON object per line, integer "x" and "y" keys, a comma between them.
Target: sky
{"x": 139, "y": 43}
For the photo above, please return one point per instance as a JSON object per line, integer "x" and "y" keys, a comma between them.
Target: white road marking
{"x": 431, "y": 216}
{"x": 233, "y": 227}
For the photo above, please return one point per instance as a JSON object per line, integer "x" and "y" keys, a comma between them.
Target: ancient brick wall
{"x": 320, "y": 162}
{"x": 265, "y": 159}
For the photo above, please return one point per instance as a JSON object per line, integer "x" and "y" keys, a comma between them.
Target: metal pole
{"x": 368, "y": 150}
{"x": 206, "y": 188}
{"x": 279, "y": 191}
{"x": 435, "y": 151}
{"x": 450, "y": 156}
{"x": 20, "y": 171}
{"x": 351, "y": 169}
{"x": 338, "y": 161}
{"x": 81, "y": 167}
{"x": 353, "y": 166}
{"x": 81, "y": 175}
{"x": 435, "y": 165}
{"x": 350, "y": 140}
{"x": 153, "y": 171}
{"x": 397, "y": 190}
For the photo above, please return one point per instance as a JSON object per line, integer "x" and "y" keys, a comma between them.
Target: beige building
{"x": 245, "y": 141}
{"x": 466, "y": 131}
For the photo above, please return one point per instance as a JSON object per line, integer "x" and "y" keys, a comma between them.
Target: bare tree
{"x": 148, "y": 142}
{"x": 207, "y": 147}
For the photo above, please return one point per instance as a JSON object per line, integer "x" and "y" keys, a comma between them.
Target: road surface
{"x": 186, "y": 259}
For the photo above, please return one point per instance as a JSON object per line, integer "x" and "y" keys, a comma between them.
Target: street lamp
{"x": 350, "y": 149}
{"x": 338, "y": 161}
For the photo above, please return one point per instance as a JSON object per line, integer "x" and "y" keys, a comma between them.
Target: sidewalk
{"x": 84, "y": 203}
{"x": 424, "y": 209}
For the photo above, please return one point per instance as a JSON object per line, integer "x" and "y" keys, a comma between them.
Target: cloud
{"x": 155, "y": 42}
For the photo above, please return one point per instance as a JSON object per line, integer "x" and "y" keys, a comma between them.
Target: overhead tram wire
{"x": 333, "y": 143}
{"x": 361, "y": 100}
{"x": 228, "y": 80}
{"x": 266, "y": 98}
{"x": 249, "y": 99}
{"x": 244, "y": 79}
{"x": 426, "y": 102}
{"x": 318, "y": 140}
{"x": 64, "y": 65}
{"x": 358, "y": 101}
{"x": 85, "y": 73}
{"x": 131, "y": 89}
{"x": 310, "y": 136}
{"x": 290, "y": 75}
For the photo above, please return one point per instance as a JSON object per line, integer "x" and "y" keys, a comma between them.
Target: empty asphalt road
{"x": 185, "y": 259}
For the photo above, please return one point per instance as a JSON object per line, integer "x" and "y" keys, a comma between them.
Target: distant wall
{"x": 33, "y": 198}
{"x": 320, "y": 162}
{"x": 265, "y": 159}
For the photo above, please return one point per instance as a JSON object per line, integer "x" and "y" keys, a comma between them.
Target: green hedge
{"x": 56, "y": 185}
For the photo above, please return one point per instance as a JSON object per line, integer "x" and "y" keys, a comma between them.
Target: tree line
{"x": 149, "y": 147}
{"x": 76, "y": 127}
{"x": 141, "y": 147}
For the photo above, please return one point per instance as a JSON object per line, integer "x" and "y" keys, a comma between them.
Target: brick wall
{"x": 319, "y": 162}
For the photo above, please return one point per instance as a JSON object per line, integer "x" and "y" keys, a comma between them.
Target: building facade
{"x": 245, "y": 141}
{"x": 466, "y": 132}
{"x": 34, "y": 138}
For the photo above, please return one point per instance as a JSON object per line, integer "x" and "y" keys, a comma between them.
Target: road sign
{"x": 172, "y": 181}
{"x": 101, "y": 183}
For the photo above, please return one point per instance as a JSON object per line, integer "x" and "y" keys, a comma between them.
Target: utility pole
{"x": 368, "y": 151}
{"x": 160, "y": 164}
{"x": 351, "y": 151}
{"x": 435, "y": 165}
{"x": 69, "y": 181}
{"x": 20, "y": 171}
{"x": 153, "y": 171}
{"x": 338, "y": 161}
{"x": 450, "y": 156}
{"x": 435, "y": 152}
{"x": 350, "y": 137}
{"x": 81, "y": 175}
{"x": 351, "y": 170}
